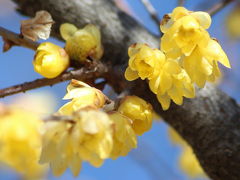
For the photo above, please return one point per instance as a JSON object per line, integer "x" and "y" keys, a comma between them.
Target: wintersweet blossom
{"x": 183, "y": 31}
{"x": 143, "y": 62}
{"x": 20, "y": 142}
{"x": 81, "y": 95}
{"x": 124, "y": 137}
{"x": 82, "y": 43}
{"x": 187, "y": 160}
{"x": 50, "y": 60}
{"x": 86, "y": 137}
{"x": 139, "y": 111}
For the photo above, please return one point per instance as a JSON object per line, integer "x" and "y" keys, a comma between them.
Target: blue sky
{"x": 155, "y": 157}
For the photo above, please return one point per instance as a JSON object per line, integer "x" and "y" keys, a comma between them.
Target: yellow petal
{"x": 130, "y": 75}
{"x": 67, "y": 30}
{"x": 164, "y": 100}
{"x": 203, "y": 18}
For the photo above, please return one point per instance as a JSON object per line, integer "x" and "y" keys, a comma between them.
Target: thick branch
{"x": 83, "y": 74}
{"x": 210, "y": 123}
{"x": 17, "y": 39}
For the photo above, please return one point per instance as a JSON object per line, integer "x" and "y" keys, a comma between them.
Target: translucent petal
{"x": 165, "y": 83}
{"x": 176, "y": 95}
{"x": 67, "y": 30}
{"x": 203, "y": 18}
{"x": 75, "y": 165}
{"x": 164, "y": 101}
{"x": 130, "y": 75}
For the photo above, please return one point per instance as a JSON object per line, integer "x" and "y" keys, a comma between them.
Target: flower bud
{"x": 50, "y": 60}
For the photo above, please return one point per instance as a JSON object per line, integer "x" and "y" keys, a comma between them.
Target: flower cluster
{"x": 82, "y": 43}
{"x": 187, "y": 161}
{"x": 187, "y": 55}
{"x": 20, "y": 142}
{"x": 51, "y": 60}
{"x": 89, "y": 131}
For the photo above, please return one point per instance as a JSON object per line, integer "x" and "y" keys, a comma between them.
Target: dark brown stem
{"x": 85, "y": 73}
{"x": 219, "y": 6}
{"x": 17, "y": 40}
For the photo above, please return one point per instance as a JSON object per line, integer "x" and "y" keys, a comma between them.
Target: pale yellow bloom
{"x": 20, "y": 142}
{"x": 202, "y": 64}
{"x": 124, "y": 138}
{"x": 176, "y": 138}
{"x": 183, "y": 31}
{"x": 187, "y": 160}
{"x": 172, "y": 83}
{"x": 233, "y": 23}
{"x": 81, "y": 95}
{"x": 144, "y": 62}
{"x": 189, "y": 163}
{"x": 139, "y": 111}
{"x": 87, "y": 137}
{"x": 82, "y": 43}
{"x": 50, "y": 60}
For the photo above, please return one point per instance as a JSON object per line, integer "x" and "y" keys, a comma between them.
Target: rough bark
{"x": 210, "y": 122}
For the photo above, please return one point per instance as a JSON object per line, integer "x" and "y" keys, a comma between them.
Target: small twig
{"x": 151, "y": 10}
{"x": 181, "y": 2}
{"x": 219, "y": 6}
{"x": 97, "y": 70}
{"x": 17, "y": 39}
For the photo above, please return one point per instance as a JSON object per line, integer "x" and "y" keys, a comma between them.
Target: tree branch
{"x": 151, "y": 10}
{"x": 96, "y": 70}
{"x": 16, "y": 39}
{"x": 219, "y": 6}
{"x": 210, "y": 122}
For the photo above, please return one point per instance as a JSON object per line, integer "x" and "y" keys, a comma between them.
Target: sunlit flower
{"x": 82, "y": 43}
{"x": 81, "y": 95}
{"x": 183, "y": 31}
{"x": 86, "y": 137}
{"x": 202, "y": 64}
{"x": 172, "y": 83}
{"x": 139, "y": 111}
{"x": 50, "y": 60}
{"x": 124, "y": 138}
{"x": 20, "y": 142}
{"x": 187, "y": 160}
{"x": 144, "y": 62}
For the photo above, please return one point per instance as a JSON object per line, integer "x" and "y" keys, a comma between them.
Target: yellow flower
{"x": 172, "y": 83}
{"x": 143, "y": 62}
{"x": 139, "y": 111}
{"x": 124, "y": 138}
{"x": 50, "y": 60}
{"x": 183, "y": 31}
{"x": 20, "y": 142}
{"x": 82, "y": 43}
{"x": 86, "y": 137}
{"x": 202, "y": 64}
{"x": 82, "y": 95}
{"x": 189, "y": 163}
{"x": 232, "y": 22}
{"x": 176, "y": 138}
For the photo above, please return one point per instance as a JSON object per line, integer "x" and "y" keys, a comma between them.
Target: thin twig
{"x": 219, "y": 6}
{"x": 18, "y": 40}
{"x": 151, "y": 10}
{"x": 97, "y": 70}
{"x": 181, "y": 2}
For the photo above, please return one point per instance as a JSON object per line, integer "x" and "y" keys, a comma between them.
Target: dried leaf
{"x": 38, "y": 27}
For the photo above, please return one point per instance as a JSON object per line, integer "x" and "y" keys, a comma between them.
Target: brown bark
{"x": 210, "y": 122}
